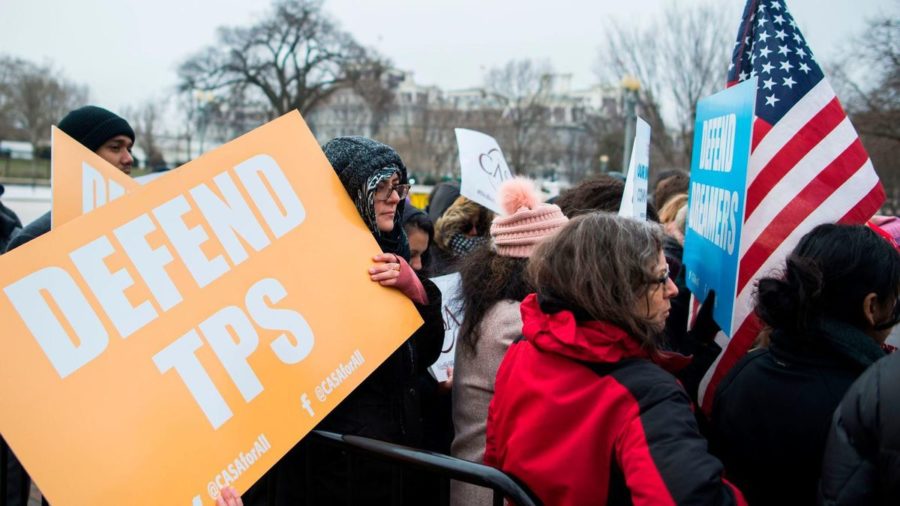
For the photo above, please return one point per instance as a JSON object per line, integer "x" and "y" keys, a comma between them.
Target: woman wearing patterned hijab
{"x": 375, "y": 178}
{"x": 384, "y": 406}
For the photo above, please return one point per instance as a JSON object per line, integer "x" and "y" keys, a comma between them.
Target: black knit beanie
{"x": 360, "y": 164}
{"x": 92, "y": 126}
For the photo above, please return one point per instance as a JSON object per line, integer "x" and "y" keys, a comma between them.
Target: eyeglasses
{"x": 661, "y": 281}
{"x": 384, "y": 190}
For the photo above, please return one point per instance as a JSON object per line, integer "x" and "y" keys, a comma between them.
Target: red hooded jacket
{"x": 582, "y": 415}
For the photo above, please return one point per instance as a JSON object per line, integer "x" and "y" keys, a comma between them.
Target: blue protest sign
{"x": 712, "y": 241}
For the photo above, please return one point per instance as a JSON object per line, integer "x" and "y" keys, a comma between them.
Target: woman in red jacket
{"x": 584, "y": 410}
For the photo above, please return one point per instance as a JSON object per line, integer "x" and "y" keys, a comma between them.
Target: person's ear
{"x": 870, "y": 309}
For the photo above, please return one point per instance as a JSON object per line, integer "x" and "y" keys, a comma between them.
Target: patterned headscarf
{"x": 361, "y": 164}
{"x": 365, "y": 198}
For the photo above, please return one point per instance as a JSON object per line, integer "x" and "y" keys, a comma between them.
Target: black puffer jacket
{"x": 9, "y": 223}
{"x": 862, "y": 457}
{"x": 772, "y": 412}
{"x": 33, "y": 230}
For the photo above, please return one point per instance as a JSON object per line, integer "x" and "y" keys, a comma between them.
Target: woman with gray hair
{"x": 584, "y": 410}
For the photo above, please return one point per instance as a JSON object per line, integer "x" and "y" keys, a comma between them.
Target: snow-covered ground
{"x": 29, "y": 202}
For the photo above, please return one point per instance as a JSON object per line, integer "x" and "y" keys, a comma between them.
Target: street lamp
{"x": 205, "y": 101}
{"x": 630, "y": 87}
{"x": 604, "y": 164}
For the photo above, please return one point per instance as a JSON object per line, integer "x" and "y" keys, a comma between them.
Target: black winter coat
{"x": 36, "y": 228}
{"x": 9, "y": 223}
{"x": 385, "y": 406}
{"x": 862, "y": 458}
{"x": 772, "y": 412}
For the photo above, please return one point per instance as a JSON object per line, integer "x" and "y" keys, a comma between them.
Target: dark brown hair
{"x": 487, "y": 278}
{"x": 597, "y": 193}
{"x": 828, "y": 275}
{"x": 670, "y": 186}
{"x": 601, "y": 263}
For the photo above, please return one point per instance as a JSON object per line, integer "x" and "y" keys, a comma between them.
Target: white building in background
{"x": 420, "y": 121}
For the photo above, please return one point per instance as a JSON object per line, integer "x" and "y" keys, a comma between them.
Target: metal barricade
{"x": 503, "y": 485}
{"x": 443, "y": 466}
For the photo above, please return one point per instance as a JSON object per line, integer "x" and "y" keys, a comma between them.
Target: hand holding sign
{"x": 722, "y": 136}
{"x": 168, "y": 321}
{"x": 229, "y": 497}
{"x": 453, "y": 316}
{"x": 705, "y": 326}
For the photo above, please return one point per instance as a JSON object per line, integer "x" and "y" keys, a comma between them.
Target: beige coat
{"x": 473, "y": 387}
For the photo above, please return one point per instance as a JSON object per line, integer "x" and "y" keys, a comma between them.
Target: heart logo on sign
{"x": 494, "y": 165}
{"x": 451, "y": 321}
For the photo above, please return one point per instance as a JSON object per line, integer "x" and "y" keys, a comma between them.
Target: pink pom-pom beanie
{"x": 527, "y": 221}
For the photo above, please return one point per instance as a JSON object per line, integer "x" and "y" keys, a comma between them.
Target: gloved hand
{"x": 705, "y": 328}
{"x": 392, "y": 270}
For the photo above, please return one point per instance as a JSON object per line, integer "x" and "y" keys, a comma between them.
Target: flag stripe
{"x": 800, "y": 206}
{"x": 861, "y": 189}
{"x": 868, "y": 205}
{"x": 782, "y": 132}
{"x": 807, "y": 165}
{"x": 736, "y": 348}
{"x": 796, "y": 148}
{"x": 796, "y": 179}
{"x": 760, "y": 130}
{"x": 841, "y": 203}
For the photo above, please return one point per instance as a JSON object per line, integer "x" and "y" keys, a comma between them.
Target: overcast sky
{"x": 127, "y": 51}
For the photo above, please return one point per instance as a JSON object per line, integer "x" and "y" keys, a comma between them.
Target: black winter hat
{"x": 360, "y": 164}
{"x": 355, "y": 159}
{"x": 92, "y": 126}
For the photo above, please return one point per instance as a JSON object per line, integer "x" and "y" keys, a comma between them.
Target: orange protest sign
{"x": 80, "y": 180}
{"x": 184, "y": 336}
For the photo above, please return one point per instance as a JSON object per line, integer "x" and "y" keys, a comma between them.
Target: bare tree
{"x": 35, "y": 97}
{"x": 874, "y": 96}
{"x": 374, "y": 82}
{"x": 426, "y": 138}
{"x": 679, "y": 58}
{"x": 522, "y": 89}
{"x": 147, "y": 120}
{"x": 867, "y": 78}
{"x": 294, "y": 58}
{"x": 7, "y": 106}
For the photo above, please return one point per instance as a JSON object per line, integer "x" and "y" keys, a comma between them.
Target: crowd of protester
{"x": 575, "y": 371}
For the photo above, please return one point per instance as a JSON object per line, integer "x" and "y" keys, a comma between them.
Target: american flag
{"x": 807, "y": 164}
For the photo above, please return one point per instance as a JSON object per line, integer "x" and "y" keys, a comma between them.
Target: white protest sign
{"x": 483, "y": 168}
{"x": 634, "y": 199}
{"x": 451, "y": 311}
